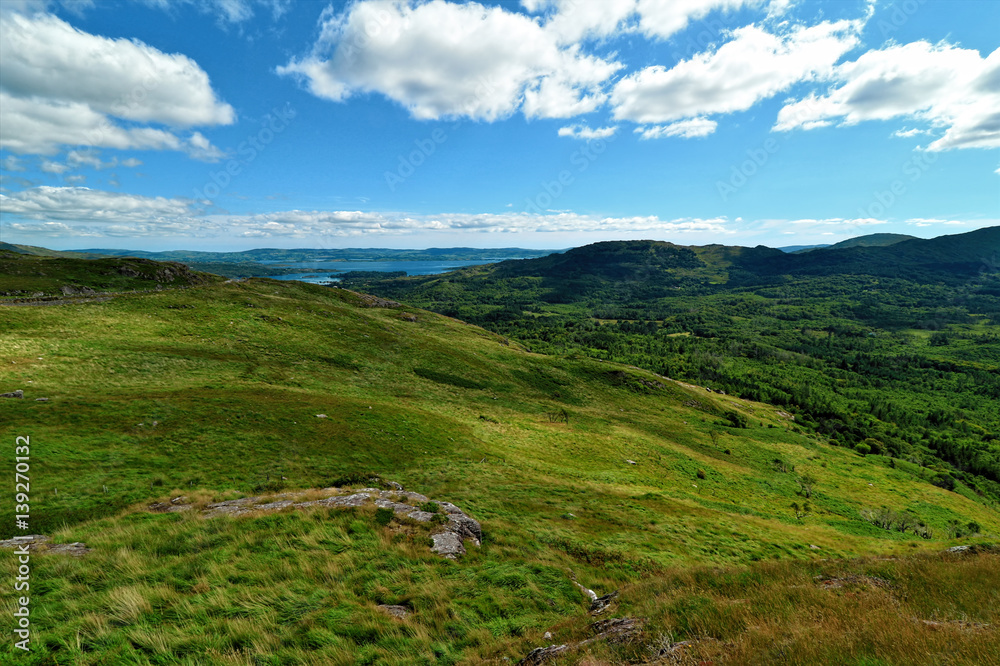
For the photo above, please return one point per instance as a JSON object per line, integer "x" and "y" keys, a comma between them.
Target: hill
{"x": 892, "y": 349}
{"x": 870, "y": 240}
{"x": 43, "y": 276}
{"x": 690, "y": 502}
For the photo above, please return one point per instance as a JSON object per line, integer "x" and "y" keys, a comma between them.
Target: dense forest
{"x": 892, "y": 351}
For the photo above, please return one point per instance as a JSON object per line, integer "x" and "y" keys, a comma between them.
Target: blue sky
{"x": 233, "y": 124}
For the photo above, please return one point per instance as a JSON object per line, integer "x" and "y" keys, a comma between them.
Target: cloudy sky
{"x": 232, "y": 124}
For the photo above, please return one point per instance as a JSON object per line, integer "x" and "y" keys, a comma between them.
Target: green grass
{"x": 215, "y": 390}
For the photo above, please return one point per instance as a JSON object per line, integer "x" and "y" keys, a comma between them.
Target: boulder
{"x": 13, "y": 394}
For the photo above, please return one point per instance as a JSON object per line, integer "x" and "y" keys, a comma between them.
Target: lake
{"x": 417, "y": 267}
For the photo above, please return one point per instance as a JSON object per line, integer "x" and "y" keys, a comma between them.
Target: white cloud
{"x": 752, "y": 66}
{"x": 79, "y": 211}
{"x": 946, "y": 86}
{"x": 570, "y": 21}
{"x": 81, "y": 204}
{"x": 686, "y": 129}
{"x": 663, "y": 18}
{"x": 573, "y": 20}
{"x": 48, "y": 166}
{"x": 131, "y": 162}
{"x": 909, "y": 133}
{"x": 439, "y": 59}
{"x": 63, "y": 86}
{"x": 587, "y": 133}
{"x": 12, "y": 163}
{"x": 227, "y": 11}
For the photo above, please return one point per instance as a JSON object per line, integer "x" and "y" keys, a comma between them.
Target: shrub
{"x": 383, "y": 516}
{"x": 862, "y": 448}
{"x": 701, "y": 474}
{"x": 429, "y": 507}
{"x": 737, "y": 420}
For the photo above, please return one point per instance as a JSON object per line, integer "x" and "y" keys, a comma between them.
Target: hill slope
{"x": 612, "y": 472}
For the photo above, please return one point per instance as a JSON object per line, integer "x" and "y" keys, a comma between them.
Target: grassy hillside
{"x": 41, "y": 276}
{"x": 679, "y": 497}
{"x": 907, "y": 365}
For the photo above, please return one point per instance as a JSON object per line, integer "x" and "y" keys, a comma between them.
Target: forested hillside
{"x": 889, "y": 350}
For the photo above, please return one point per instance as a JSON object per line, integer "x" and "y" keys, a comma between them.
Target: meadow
{"x": 678, "y": 497}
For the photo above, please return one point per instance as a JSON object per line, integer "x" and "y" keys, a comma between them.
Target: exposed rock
{"x": 40, "y": 543}
{"x": 13, "y": 394}
{"x": 630, "y": 462}
{"x": 975, "y": 549}
{"x": 396, "y": 611}
{"x": 617, "y": 629}
{"x": 461, "y": 524}
{"x": 71, "y": 290}
{"x": 409, "y": 317}
{"x": 541, "y": 655}
{"x": 601, "y": 604}
{"x": 447, "y": 544}
{"x": 41, "y": 399}
{"x": 613, "y": 630}
{"x": 956, "y": 624}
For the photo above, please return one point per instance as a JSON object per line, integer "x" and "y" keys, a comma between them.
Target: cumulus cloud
{"x": 86, "y": 205}
{"x": 574, "y": 20}
{"x": 754, "y": 65}
{"x": 62, "y": 86}
{"x": 587, "y": 133}
{"x": 80, "y": 211}
{"x": 663, "y": 18}
{"x": 570, "y": 21}
{"x": 439, "y": 59}
{"x": 686, "y": 129}
{"x": 948, "y": 87}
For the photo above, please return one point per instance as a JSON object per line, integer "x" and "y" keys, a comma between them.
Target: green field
{"x": 213, "y": 392}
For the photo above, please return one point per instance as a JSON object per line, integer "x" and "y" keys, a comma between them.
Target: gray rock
{"x": 41, "y": 399}
{"x": 40, "y": 543}
{"x": 601, "y": 604}
{"x": 541, "y": 655}
{"x": 396, "y": 611}
{"x": 447, "y": 544}
{"x": 13, "y": 394}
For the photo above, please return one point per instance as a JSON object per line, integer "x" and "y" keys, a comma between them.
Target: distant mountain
{"x": 44, "y": 252}
{"x": 945, "y": 258}
{"x": 800, "y": 248}
{"x": 871, "y": 240}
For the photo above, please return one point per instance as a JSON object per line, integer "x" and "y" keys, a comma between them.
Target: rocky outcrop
{"x": 13, "y": 394}
{"x": 457, "y": 527}
{"x": 40, "y": 543}
{"x": 614, "y": 630}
